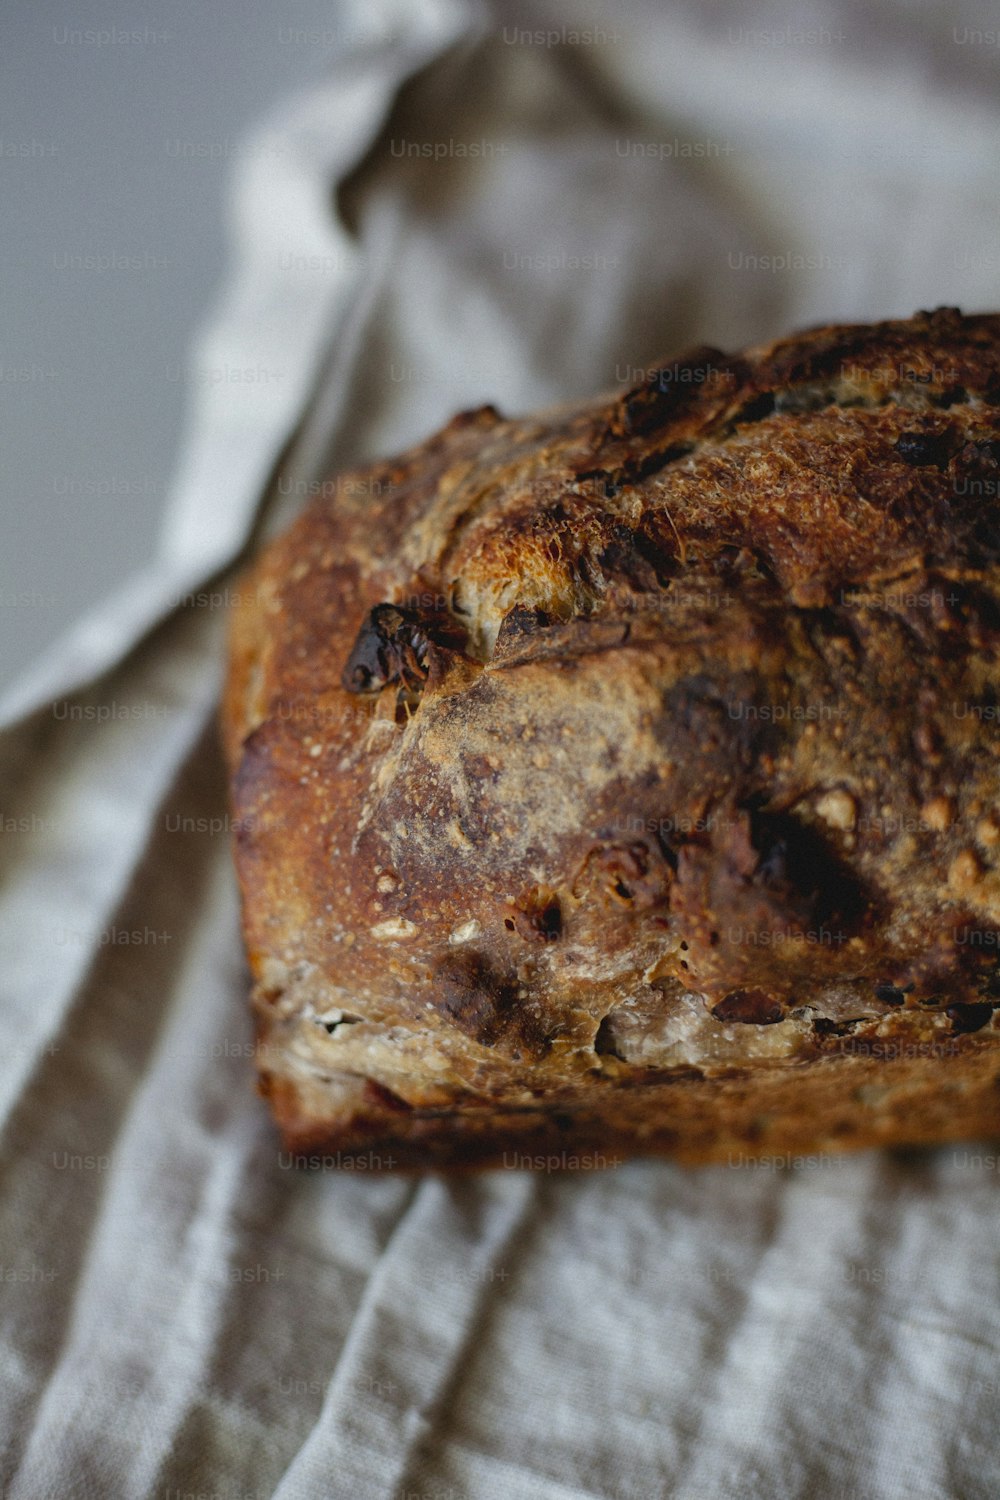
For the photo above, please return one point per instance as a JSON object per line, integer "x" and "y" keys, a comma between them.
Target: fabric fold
{"x": 411, "y": 1329}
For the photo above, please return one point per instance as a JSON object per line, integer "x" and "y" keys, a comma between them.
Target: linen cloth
{"x": 180, "y": 1312}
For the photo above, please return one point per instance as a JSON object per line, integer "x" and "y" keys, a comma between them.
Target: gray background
{"x": 120, "y": 149}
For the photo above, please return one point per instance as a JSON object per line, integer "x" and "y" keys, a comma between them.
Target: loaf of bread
{"x": 627, "y": 778}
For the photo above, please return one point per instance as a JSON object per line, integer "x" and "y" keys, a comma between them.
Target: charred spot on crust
{"x": 805, "y": 360}
{"x": 757, "y": 408}
{"x": 891, "y": 994}
{"x": 924, "y": 449}
{"x": 484, "y": 1004}
{"x": 666, "y": 391}
{"x": 644, "y": 559}
{"x": 639, "y": 469}
{"x": 612, "y": 479}
{"x": 397, "y": 645}
{"x": 749, "y": 1007}
{"x": 391, "y": 646}
{"x": 968, "y": 1018}
{"x": 951, "y": 395}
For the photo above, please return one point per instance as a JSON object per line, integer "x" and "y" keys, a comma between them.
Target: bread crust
{"x": 624, "y": 778}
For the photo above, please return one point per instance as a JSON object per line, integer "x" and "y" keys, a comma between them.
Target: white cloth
{"x": 180, "y": 1313}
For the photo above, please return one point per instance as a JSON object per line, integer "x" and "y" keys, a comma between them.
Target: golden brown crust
{"x": 626, "y": 777}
